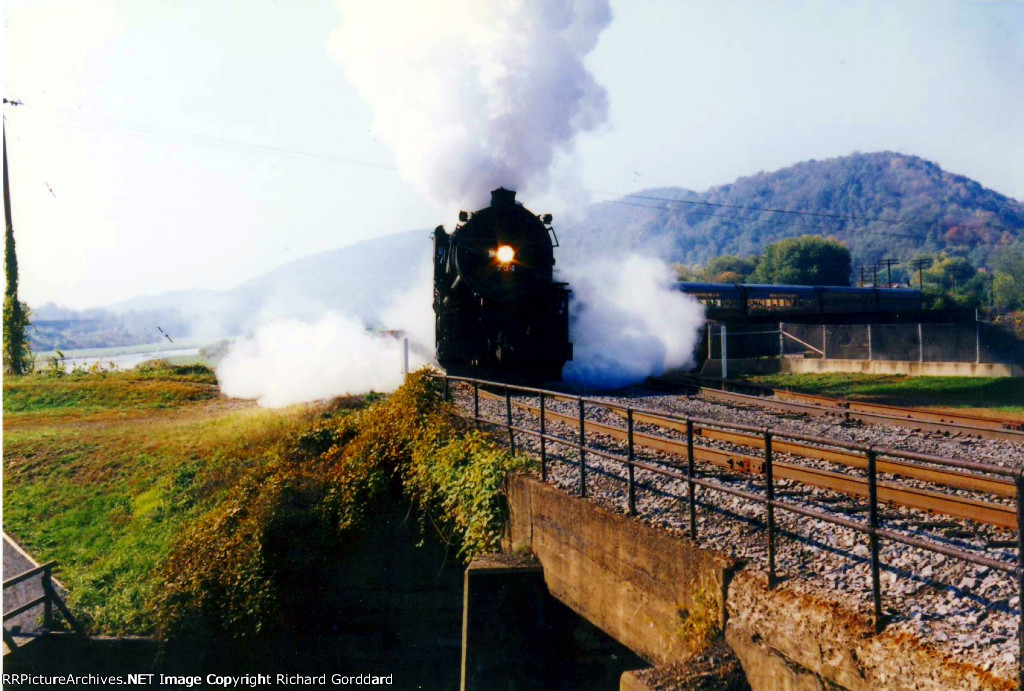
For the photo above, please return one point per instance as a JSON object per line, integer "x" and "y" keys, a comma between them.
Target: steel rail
{"x": 890, "y": 493}
{"x": 875, "y": 491}
{"x": 25, "y": 575}
{"x": 900, "y": 411}
{"x": 854, "y": 446}
{"x": 970, "y": 481}
{"x": 909, "y": 419}
{"x": 958, "y": 479}
{"x": 41, "y": 600}
{"x": 977, "y": 421}
{"x": 676, "y": 474}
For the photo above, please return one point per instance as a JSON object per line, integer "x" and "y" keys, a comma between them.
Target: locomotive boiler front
{"x": 499, "y": 312}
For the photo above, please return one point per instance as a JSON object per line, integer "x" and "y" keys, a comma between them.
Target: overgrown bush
{"x": 457, "y": 478}
{"x": 249, "y": 567}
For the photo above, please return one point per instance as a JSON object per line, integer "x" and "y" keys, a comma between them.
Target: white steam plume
{"x": 293, "y": 360}
{"x": 628, "y": 322}
{"x": 473, "y": 94}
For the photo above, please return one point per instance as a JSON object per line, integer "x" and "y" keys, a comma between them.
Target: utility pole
{"x": 889, "y": 263}
{"x": 874, "y": 271}
{"x": 919, "y": 264}
{"x": 15, "y": 318}
{"x": 7, "y": 185}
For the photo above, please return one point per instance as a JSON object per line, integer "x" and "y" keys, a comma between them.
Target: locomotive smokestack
{"x": 503, "y": 197}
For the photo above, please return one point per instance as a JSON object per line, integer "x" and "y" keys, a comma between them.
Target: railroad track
{"x": 868, "y": 413}
{"x": 950, "y": 505}
{"x": 899, "y": 411}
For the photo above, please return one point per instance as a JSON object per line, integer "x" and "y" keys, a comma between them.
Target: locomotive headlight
{"x": 505, "y": 254}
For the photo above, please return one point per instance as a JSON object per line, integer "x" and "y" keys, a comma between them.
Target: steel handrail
{"x": 872, "y": 528}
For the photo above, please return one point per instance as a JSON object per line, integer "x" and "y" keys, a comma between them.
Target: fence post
{"x": 770, "y": 493}
{"x": 920, "y": 342}
{"x": 543, "y": 443}
{"x": 869, "y": 343}
{"x": 1020, "y": 578}
{"x": 782, "y": 343}
{"x": 49, "y": 592}
{"x": 824, "y": 342}
{"x": 632, "y": 479}
{"x": 725, "y": 355}
{"x": 508, "y": 419}
{"x": 447, "y": 393}
{"x": 690, "y": 489}
{"x": 583, "y": 456}
{"x": 977, "y": 338}
{"x": 876, "y": 588}
{"x": 476, "y": 403}
{"x": 405, "y": 357}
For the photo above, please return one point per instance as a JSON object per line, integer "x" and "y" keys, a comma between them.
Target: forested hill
{"x": 940, "y": 212}
{"x": 905, "y": 206}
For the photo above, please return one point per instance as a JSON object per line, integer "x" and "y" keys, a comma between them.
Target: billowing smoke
{"x": 294, "y": 360}
{"x": 411, "y": 312}
{"x": 628, "y": 323}
{"x": 475, "y": 95}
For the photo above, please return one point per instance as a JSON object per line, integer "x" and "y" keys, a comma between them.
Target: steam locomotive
{"x": 499, "y": 312}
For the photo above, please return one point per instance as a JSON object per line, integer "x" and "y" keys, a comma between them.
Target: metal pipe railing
{"x": 49, "y": 599}
{"x": 872, "y": 528}
{"x": 779, "y": 433}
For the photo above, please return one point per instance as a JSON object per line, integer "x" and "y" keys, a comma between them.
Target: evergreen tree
{"x": 17, "y": 354}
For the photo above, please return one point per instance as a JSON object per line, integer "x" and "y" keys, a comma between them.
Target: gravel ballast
{"x": 966, "y": 610}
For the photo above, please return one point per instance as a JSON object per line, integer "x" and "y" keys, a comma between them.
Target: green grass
{"x": 193, "y": 360}
{"x": 179, "y": 513}
{"x": 997, "y": 394}
{"x": 103, "y": 472}
{"x": 157, "y": 385}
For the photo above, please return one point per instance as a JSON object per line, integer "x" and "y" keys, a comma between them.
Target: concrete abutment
{"x": 669, "y": 601}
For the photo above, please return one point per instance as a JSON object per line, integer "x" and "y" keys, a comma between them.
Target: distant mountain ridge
{"x": 904, "y": 206}
{"x": 358, "y": 280}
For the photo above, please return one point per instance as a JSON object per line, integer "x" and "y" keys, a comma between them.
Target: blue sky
{"x": 169, "y": 145}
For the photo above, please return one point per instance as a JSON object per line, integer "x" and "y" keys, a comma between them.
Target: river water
{"x": 120, "y": 360}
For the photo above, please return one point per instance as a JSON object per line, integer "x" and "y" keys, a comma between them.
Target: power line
{"x": 62, "y": 118}
{"x": 820, "y": 214}
{"x": 915, "y": 236}
{"x": 84, "y": 121}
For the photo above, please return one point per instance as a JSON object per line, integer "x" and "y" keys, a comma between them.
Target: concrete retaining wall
{"x": 634, "y": 582}
{"x": 713, "y": 368}
{"x": 913, "y": 369}
{"x": 638, "y": 583}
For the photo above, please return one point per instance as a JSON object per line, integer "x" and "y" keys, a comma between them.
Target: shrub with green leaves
{"x": 247, "y": 568}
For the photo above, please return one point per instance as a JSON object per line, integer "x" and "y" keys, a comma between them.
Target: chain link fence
{"x": 965, "y": 342}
